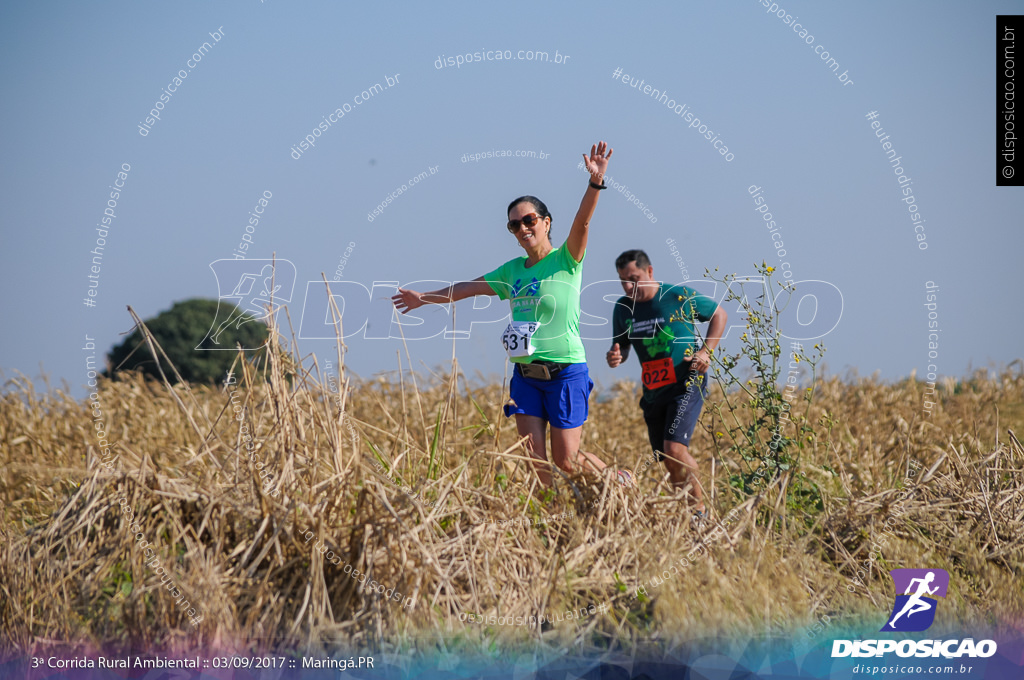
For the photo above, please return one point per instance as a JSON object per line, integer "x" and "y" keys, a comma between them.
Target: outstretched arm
{"x": 596, "y": 165}
{"x": 407, "y": 300}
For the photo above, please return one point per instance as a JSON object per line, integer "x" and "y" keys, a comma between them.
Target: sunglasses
{"x": 527, "y": 221}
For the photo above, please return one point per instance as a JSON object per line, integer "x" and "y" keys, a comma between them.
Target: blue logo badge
{"x": 914, "y": 610}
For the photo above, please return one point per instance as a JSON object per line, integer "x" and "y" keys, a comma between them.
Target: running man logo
{"x": 914, "y": 610}
{"x": 530, "y": 291}
{"x": 253, "y": 287}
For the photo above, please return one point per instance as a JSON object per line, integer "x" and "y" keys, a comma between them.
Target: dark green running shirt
{"x": 661, "y": 330}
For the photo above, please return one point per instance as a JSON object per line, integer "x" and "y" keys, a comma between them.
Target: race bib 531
{"x": 517, "y": 338}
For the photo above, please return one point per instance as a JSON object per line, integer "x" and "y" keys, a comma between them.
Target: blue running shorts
{"x": 563, "y": 401}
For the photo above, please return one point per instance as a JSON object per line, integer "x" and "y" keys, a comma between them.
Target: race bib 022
{"x": 517, "y": 338}
{"x": 658, "y": 373}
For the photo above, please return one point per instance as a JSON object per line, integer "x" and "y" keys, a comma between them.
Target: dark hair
{"x": 538, "y": 204}
{"x": 639, "y": 256}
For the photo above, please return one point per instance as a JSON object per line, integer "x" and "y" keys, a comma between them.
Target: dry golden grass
{"x": 70, "y": 570}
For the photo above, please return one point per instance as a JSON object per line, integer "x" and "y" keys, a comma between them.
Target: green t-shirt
{"x": 548, "y": 293}
{"x": 661, "y": 330}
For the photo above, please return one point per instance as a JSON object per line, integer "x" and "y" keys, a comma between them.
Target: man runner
{"x": 658, "y": 321}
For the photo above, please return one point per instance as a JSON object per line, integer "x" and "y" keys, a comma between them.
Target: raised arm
{"x": 407, "y": 300}
{"x": 596, "y": 165}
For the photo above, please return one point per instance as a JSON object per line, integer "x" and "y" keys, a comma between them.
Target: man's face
{"x": 638, "y": 283}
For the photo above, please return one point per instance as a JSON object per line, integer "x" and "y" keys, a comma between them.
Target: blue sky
{"x": 79, "y": 79}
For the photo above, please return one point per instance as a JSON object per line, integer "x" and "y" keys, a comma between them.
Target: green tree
{"x": 182, "y": 329}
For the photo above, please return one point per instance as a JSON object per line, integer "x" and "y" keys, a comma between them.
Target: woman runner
{"x": 550, "y": 382}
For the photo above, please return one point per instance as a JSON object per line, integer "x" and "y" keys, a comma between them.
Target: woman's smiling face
{"x": 529, "y": 237}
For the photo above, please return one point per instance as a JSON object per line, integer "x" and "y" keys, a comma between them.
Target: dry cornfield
{"x": 413, "y": 485}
